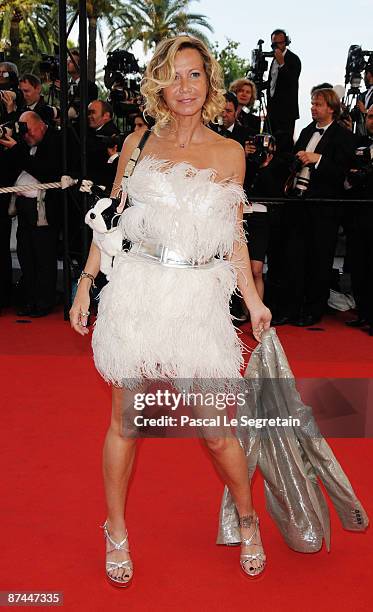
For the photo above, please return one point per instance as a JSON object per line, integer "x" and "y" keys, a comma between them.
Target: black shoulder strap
{"x": 135, "y": 154}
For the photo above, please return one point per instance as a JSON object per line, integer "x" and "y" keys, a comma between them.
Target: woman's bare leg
{"x": 229, "y": 460}
{"x": 118, "y": 457}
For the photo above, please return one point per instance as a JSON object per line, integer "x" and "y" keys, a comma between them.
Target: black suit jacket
{"x": 362, "y": 188}
{"x": 239, "y": 133}
{"x": 45, "y": 166}
{"x": 97, "y": 155}
{"x": 250, "y": 122}
{"x": 108, "y": 129}
{"x": 284, "y": 102}
{"x": 337, "y": 146}
{"x": 44, "y": 110}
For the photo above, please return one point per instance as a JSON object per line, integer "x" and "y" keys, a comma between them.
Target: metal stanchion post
{"x": 63, "y": 105}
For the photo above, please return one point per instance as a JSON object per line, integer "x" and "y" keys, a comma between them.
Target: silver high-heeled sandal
{"x": 247, "y": 559}
{"x": 113, "y": 565}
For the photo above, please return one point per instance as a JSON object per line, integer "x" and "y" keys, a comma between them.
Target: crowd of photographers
{"x": 331, "y": 160}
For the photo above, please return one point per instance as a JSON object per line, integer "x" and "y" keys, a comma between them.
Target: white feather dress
{"x": 160, "y": 322}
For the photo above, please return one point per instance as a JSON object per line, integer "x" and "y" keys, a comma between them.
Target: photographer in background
{"x": 266, "y": 173}
{"x": 30, "y": 86}
{"x": 10, "y": 96}
{"x": 365, "y": 101}
{"x": 282, "y": 90}
{"x": 74, "y": 86}
{"x": 359, "y": 184}
{"x": 245, "y": 91}
{"x": 35, "y": 157}
{"x": 323, "y": 154}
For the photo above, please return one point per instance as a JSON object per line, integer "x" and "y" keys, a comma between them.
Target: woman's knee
{"x": 122, "y": 414}
{"x": 257, "y": 269}
{"x": 218, "y": 444}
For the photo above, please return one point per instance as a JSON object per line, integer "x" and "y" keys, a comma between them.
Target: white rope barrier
{"x": 64, "y": 183}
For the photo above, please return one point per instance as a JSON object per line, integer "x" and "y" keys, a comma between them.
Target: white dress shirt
{"x": 274, "y": 74}
{"x": 311, "y": 146}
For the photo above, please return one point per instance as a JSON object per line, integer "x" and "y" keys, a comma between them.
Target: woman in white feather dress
{"x": 165, "y": 312}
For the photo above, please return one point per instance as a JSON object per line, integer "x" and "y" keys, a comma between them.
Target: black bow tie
{"x": 319, "y": 130}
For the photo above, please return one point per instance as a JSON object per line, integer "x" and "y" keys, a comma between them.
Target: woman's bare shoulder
{"x": 229, "y": 157}
{"x": 133, "y": 140}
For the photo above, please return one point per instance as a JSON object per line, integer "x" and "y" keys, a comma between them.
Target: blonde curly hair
{"x": 160, "y": 73}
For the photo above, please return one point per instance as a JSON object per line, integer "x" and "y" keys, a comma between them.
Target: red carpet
{"x": 55, "y": 410}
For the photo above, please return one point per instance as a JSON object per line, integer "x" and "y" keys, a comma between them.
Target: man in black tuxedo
{"x": 231, "y": 128}
{"x": 282, "y": 91}
{"x": 100, "y": 118}
{"x": 101, "y": 129}
{"x": 36, "y": 159}
{"x": 324, "y": 151}
{"x": 30, "y": 86}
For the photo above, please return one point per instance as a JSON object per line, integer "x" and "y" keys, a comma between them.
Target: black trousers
{"x": 362, "y": 263}
{"x": 5, "y": 261}
{"x": 308, "y": 258}
{"x": 37, "y": 255}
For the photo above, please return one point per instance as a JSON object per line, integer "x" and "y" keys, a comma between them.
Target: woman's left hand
{"x": 260, "y": 317}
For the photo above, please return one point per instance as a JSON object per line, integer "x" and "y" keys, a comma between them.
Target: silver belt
{"x": 159, "y": 253}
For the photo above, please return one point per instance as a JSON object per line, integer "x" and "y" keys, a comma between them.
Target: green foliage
{"x": 30, "y": 27}
{"x": 27, "y": 29}
{"x": 152, "y": 20}
{"x": 234, "y": 67}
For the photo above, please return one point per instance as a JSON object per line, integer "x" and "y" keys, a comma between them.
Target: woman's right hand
{"x": 79, "y": 311}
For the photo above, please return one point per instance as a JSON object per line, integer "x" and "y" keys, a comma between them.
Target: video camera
{"x": 259, "y": 65}
{"x": 50, "y": 65}
{"x": 122, "y": 78}
{"x": 355, "y": 65}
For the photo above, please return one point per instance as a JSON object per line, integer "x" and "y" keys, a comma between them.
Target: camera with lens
{"x": 11, "y": 86}
{"x": 298, "y": 182}
{"x": 50, "y": 65}
{"x": 265, "y": 145}
{"x": 122, "y": 79}
{"x": 16, "y": 129}
{"x": 259, "y": 65}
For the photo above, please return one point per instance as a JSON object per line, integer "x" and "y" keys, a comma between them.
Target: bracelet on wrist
{"x": 89, "y": 276}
